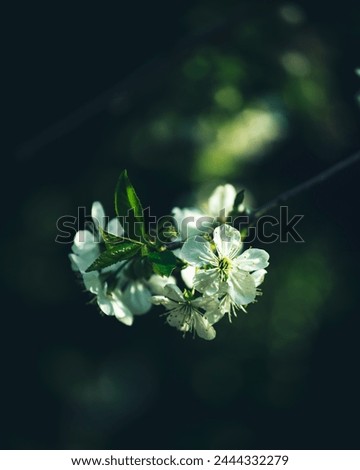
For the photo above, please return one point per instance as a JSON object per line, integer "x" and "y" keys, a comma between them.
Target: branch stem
{"x": 283, "y": 197}
{"x": 321, "y": 177}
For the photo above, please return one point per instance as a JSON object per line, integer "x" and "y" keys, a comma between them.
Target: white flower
{"x": 129, "y": 297}
{"x": 192, "y": 221}
{"x": 126, "y": 297}
{"x": 137, "y": 293}
{"x": 187, "y": 222}
{"x": 185, "y": 312}
{"x": 225, "y": 272}
{"x": 227, "y": 305}
{"x": 111, "y": 302}
{"x": 86, "y": 247}
{"x": 221, "y": 201}
{"x": 188, "y": 275}
{"x": 98, "y": 215}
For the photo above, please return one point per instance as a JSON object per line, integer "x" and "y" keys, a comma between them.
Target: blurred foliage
{"x": 264, "y": 103}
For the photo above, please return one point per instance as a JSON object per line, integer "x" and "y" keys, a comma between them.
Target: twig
{"x": 324, "y": 175}
{"x": 283, "y": 197}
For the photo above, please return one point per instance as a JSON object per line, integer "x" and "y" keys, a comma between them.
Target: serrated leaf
{"x": 239, "y": 199}
{"x": 128, "y": 206}
{"x": 163, "y": 262}
{"x": 113, "y": 254}
{"x": 110, "y": 238}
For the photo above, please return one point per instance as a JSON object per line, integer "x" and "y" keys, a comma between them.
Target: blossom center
{"x": 224, "y": 268}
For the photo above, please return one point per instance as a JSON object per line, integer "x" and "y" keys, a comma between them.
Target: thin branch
{"x": 283, "y": 197}
{"x": 323, "y": 176}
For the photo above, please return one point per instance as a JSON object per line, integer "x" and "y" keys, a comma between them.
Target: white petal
{"x": 242, "y": 289}
{"x": 259, "y": 276}
{"x": 85, "y": 240}
{"x": 225, "y": 304}
{"x": 198, "y": 253}
{"x": 157, "y": 283}
{"x": 252, "y": 260}
{"x": 112, "y": 305}
{"x": 228, "y": 241}
{"x": 105, "y": 304}
{"x": 203, "y": 328}
{"x": 213, "y": 316}
{"x": 122, "y": 312}
{"x": 187, "y": 212}
{"x": 211, "y": 306}
{"x": 74, "y": 262}
{"x": 187, "y": 275}
{"x": 161, "y": 300}
{"x": 92, "y": 282}
{"x": 176, "y": 318}
{"x": 186, "y": 220}
{"x": 85, "y": 259}
{"x": 114, "y": 268}
{"x": 137, "y": 297}
{"x": 98, "y": 215}
{"x": 114, "y": 227}
{"x": 174, "y": 293}
{"x": 222, "y": 200}
{"x": 205, "y": 302}
{"x": 127, "y": 320}
{"x": 207, "y": 281}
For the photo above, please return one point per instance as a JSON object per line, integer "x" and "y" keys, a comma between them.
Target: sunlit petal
{"x": 259, "y": 276}
{"x": 252, "y": 260}
{"x": 203, "y": 328}
{"x": 242, "y": 287}
{"x": 207, "y": 281}
{"x": 174, "y": 293}
{"x": 114, "y": 227}
{"x": 228, "y": 241}
{"x": 98, "y": 215}
{"x": 197, "y": 253}
{"x": 222, "y": 200}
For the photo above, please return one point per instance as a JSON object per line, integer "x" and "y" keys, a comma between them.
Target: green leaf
{"x": 239, "y": 199}
{"x": 163, "y": 262}
{"x": 113, "y": 254}
{"x": 109, "y": 238}
{"x": 128, "y": 205}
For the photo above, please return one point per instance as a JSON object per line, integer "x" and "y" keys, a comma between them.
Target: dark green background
{"x": 258, "y": 94}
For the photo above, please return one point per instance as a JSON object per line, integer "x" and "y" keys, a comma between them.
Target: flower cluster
{"x": 127, "y": 274}
{"x": 118, "y": 292}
